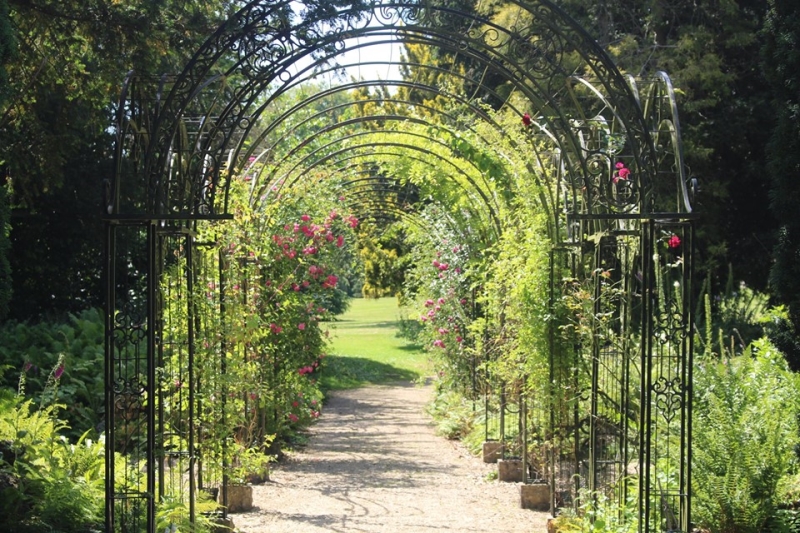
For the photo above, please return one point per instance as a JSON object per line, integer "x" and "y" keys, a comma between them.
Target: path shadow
{"x": 346, "y": 372}
{"x": 346, "y": 323}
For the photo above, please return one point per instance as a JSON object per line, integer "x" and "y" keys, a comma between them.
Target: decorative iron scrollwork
{"x": 669, "y": 396}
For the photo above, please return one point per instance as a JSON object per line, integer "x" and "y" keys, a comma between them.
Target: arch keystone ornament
{"x": 604, "y": 149}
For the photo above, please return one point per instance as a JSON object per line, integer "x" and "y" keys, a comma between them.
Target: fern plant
{"x": 46, "y": 482}
{"x": 745, "y": 433}
{"x": 600, "y": 514}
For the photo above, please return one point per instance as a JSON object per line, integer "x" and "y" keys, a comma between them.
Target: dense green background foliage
{"x": 55, "y": 144}
{"x": 781, "y": 57}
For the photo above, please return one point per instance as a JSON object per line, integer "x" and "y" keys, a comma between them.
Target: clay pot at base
{"x": 535, "y": 496}
{"x": 509, "y": 470}
{"x": 492, "y": 451}
{"x": 240, "y": 498}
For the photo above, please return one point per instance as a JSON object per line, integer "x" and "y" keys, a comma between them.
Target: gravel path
{"x": 374, "y": 464}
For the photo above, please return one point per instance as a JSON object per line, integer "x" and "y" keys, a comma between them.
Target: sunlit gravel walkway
{"x": 374, "y": 464}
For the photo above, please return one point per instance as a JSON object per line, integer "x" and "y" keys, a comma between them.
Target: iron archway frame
{"x": 180, "y": 142}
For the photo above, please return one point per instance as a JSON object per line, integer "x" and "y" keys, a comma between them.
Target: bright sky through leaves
{"x": 362, "y": 53}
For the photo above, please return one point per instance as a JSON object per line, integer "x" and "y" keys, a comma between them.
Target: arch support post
{"x": 665, "y": 429}
{"x": 130, "y": 375}
{"x": 150, "y": 372}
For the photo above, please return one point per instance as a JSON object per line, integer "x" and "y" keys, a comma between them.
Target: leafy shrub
{"x": 600, "y": 514}
{"x": 745, "y": 434}
{"x": 781, "y": 332}
{"x": 33, "y": 350}
{"x": 46, "y": 483}
{"x": 409, "y": 329}
{"x": 452, "y": 413}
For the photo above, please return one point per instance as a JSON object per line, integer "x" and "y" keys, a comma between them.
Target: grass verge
{"x": 365, "y": 348}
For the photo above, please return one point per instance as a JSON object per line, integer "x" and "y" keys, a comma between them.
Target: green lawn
{"x": 365, "y": 347}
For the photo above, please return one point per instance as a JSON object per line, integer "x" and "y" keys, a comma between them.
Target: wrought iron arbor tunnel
{"x": 617, "y": 413}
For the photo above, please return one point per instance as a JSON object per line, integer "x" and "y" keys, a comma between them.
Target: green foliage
{"x": 454, "y": 416}
{"x": 385, "y": 261}
{"x": 518, "y": 291}
{"x": 782, "y": 333}
{"x": 33, "y": 350}
{"x": 745, "y": 432}
{"x": 781, "y": 61}
{"x": 281, "y": 265}
{"x": 5, "y": 247}
{"x": 47, "y": 483}
{"x": 600, "y": 514}
{"x": 737, "y": 315}
{"x": 440, "y": 282}
{"x": 56, "y": 146}
{"x": 409, "y": 329}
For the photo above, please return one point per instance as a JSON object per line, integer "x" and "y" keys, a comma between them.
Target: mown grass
{"x": 365, "y": 348}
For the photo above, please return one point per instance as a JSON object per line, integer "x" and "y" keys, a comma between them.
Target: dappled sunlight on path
{"x": 373, "y": 464}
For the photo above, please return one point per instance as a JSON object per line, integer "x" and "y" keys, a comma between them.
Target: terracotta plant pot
{"x": 240, "y": 498}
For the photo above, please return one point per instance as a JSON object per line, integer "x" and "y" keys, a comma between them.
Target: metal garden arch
{"x": 617, "y": 414}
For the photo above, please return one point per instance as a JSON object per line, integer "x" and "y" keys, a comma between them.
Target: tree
{"x": 55, "y": 143}
{"x": 386, "y": 260}
{"x": 7, "y": 49}
{"x": 781, "y": 60}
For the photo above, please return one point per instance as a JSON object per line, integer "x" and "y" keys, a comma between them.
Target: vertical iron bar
{"x": 223, "y": 368}
{"x": 152, "y": 281}
{"x": 554, "y": 449}
{"x": 188, "y": 246}
{"x": 645, "y": 427}
{"x": 523, "y": 417}
{"x": 625, "y": 327}
{"x": 108, "y": 369}
{"x": 576, "y": 435}
{"x": 595, "y": 377}
{"x": 503, "y": 419}
{"x": 158, "y": 327}
{"x": 688, "y": 377}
